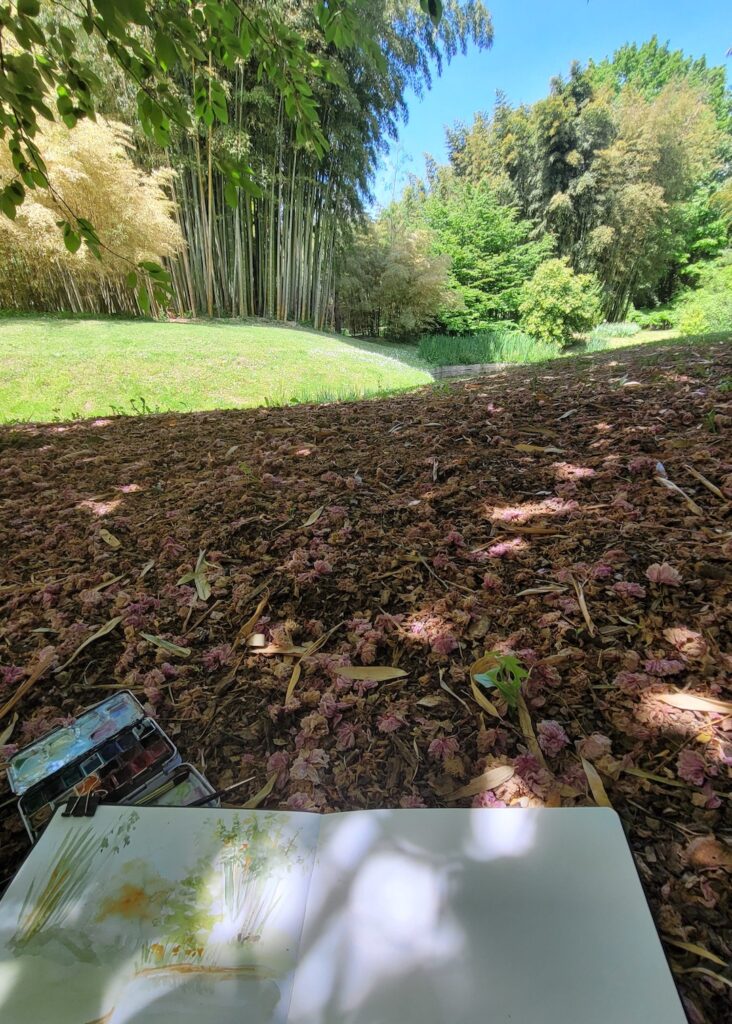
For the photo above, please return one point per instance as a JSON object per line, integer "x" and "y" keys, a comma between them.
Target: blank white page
{"x": 479, "y": 917}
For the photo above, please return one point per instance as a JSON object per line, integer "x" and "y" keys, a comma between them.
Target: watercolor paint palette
{"x": 113, "y": 751}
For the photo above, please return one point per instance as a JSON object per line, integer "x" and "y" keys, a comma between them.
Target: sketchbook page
{"x": 497, "y": 916}
{"x": 157, "y": 916}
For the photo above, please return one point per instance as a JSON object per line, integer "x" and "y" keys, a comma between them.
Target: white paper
{"x": 175, "y": 915}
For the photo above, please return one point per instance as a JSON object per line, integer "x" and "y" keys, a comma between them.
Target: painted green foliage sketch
{"x": 226, "y": 896}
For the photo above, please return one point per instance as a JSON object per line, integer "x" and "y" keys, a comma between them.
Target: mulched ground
{"x": 533, "y": 512}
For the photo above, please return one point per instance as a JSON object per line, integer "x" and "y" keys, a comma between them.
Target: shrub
{"x": 497, "y": 346}
{"x": 653, "y": 320}
{"x": 558, "y": 303}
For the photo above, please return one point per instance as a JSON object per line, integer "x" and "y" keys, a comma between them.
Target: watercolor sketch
{"x": 155, "y": 915}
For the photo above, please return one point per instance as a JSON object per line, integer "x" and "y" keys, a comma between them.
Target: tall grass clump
{"x": 504, "y": 346}
{"x": 624, "y": 329}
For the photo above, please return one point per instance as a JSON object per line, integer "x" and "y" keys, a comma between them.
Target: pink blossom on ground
{"x": 7, "y": 751}
{"x": 322, "y": 567}
{"x": 10, "y": 674}
{"x": 593, "y": 746}
{"x": 664, "y": 574}
{"x": 441, "y": 560}
{"x": 217, "y": 657}
{"x": 602, "y": 571}
{"x": 688, "y": 642}
{"x": 628, "y": 590}
{"x": 300, "y": 802}
{"x": 306, "y": 764}
{"x": 278, "y": 762}
{"x": 411, "y": 801}
{"x": 444, "y": 643}
{"x": 507, "y": 548}
{"x": 533, "y": 773}
{"x": 491, "y": 582}
{"x": 487, "y": 799}
{"x": 443, "y": 747}
{"x": 713, "y": 801}
{"x": 390, "y": 723}
{"x": 455, "y": 539}
{"x": 690, "y": 767}
{"x": 552, "y": 737}
{"x": 345, "y": 736}
{"x": 632, "y": 682}
{"x": 663, "y": 666}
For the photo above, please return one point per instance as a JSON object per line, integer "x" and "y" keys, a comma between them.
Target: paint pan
{"x": 60, "y": 748}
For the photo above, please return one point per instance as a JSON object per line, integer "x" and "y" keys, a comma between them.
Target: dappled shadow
{"x": 414, "y": 503}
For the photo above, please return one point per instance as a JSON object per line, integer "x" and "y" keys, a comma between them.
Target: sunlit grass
{"x": 65, "y": 368}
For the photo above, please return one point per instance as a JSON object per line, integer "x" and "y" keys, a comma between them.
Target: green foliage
{"x": 494, "y": 346}
{"x": 390, "y": 284}
{"x": 620, "y": 164}
{"x": 557, "y": 303}
{"x": 506, "y": 677}
{"x": 652, "y": 320}
{"x": 491, "y": 251}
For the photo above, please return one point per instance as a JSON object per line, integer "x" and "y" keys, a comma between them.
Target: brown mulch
{"x": 524, "y": 513}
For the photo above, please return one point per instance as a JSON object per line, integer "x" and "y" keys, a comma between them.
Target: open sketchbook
{"x": 174, "y": 915}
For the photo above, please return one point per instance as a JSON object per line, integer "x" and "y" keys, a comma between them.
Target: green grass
{"x": 488, "y": 347}
{"x": 57, "y": 368}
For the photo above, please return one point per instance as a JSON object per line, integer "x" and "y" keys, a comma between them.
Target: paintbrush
{"x": 219, "y": 793}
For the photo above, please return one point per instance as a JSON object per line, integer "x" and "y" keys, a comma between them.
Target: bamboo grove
{"x": 271, "y": 246}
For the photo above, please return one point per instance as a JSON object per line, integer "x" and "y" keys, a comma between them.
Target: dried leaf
{"x": 495, "y": 776}
{"x": 376, "y": 673}
{"x": 102, "y": 631}
{"x": 432, "y": 700}
{"x": 692, "y": 947}
{"x": 591, "y": 628}
{"x": 313, "y": 517}
{"x": 296, "y": 670}
{"x": 108, "y": 583}
{"x": 703, "y": 480}
{"x": 282, "y": 649}
{"x": 690, "y": 702}
{"x": 146, "y": 568}
{"x": 8, "y": 731}
{"x": 166, "y": 645}
{"x": 263, "y": 793}
{"x": 257, "y": 640}
{"x": 527, "y": 728}
{"x": 35, "y": 675}
{"x": 671, "y": 486}
{"x": 539, "y": 448}
{"x": 596, "y": 787}
{"x": 248, "y": 628}
{"x": 483, "y": 701}
{"x": 110, "y": 539}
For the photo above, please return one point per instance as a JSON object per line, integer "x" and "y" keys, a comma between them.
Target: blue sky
{"x": 535, "y": 40}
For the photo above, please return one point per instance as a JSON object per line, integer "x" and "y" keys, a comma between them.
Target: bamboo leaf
{"x": 527, "y": 728}
{"x": 376, "y": 673}
{"x": 596, "y": 787}
{"x": 692, "y": 947}
{"x": 538, "y": 448}
{"x": 495, "y": 776}
{"x": 35, "y": 675}
{"x": 313, "y": 517}
{"x": 483, "y": 701}
{"x": 110, "y": 539}
{"x": 263, "y": 793}
{"x": 102, "y": 631}
{"x": 690, "y": 702}
{"x": 8, "y": 731}
{"x": 248, "y": 628}
{"x": 166, "y": 645}
{"x": 296, "y": 670}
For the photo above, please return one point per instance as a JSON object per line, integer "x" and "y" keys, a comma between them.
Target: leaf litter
{"x": 317, "y": 619}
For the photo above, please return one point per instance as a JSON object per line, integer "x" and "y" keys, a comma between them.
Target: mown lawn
{"x": 56, "y": 368}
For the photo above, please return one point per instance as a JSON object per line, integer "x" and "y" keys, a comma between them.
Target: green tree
{"x": 490, "y": 248}
{"x": 558, "y": 303}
